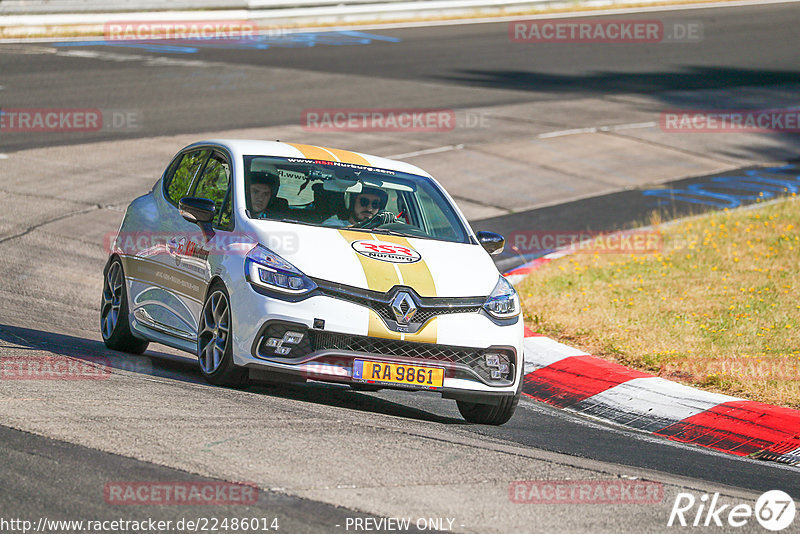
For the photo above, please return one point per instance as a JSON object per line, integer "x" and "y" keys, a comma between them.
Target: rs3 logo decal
{"x": 383, "y": 251}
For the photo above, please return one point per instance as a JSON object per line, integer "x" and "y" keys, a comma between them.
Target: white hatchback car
{"x": 315, "y": 263}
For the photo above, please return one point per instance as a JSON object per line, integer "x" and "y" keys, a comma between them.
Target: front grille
{"x": 380, "y": 303}
{"x": 471, "y": 357}
{"x": 313, "y": 341}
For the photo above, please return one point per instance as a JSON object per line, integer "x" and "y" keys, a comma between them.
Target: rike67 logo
{"x": 774, "y": 510}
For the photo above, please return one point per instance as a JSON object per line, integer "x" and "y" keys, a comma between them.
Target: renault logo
{"x": 404, "y": 307}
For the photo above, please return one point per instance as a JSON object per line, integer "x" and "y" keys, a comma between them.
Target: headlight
{"x": 503, "y": 302}
{"x": 266, "y": 269}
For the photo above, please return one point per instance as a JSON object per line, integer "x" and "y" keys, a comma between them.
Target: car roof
{"x": 247, "y": 147}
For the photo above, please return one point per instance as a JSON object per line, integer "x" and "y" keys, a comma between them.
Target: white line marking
{"x": 3, "y": 156}
{"x": 427, "y": 151}
{"x": 611, "y": 128}
{"x": 546, "y": 135}
{"x": 149, "y": 61}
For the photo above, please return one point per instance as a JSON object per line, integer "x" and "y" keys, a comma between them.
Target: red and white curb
{"x": 576, "y": 381}
{"x": 517, "y": 274}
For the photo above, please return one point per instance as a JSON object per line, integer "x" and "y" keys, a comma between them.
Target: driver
{"x": 363, "y": 206}
{"x": 263, "y": 192}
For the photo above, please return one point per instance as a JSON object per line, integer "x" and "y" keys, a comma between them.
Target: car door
{"x": 195, "y": 252}
{"x": 164, "y": 297}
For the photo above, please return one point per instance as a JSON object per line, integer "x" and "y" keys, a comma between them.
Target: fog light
{"x": 292, "y": 338}
{"x": 498, "y": 369}
{"x": 282, "y": 351}
{"x": 273, "y": 342}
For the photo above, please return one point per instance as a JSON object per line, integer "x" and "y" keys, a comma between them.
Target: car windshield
{"x": 344, "y": 195}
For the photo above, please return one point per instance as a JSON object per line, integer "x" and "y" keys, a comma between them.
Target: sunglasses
{"x": 376, "y": 204}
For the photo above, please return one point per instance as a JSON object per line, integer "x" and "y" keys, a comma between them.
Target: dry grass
{"x": 717, "y": 308}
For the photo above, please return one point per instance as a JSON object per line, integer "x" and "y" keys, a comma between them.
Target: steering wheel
{"x": 379, "y": 219}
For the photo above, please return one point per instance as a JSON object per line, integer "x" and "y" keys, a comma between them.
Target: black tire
{"x": 216, "y": 363}
{"x": 489, "y": 414}
{"x": 114, "y": 324}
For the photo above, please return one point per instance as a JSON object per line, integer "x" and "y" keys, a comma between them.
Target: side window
{"x": 440, "y": 224}
{"x": 225, "y": 216}
{"x": 213, "y": 185}
{"x": 178, "y": 184}
{"x": 392, "y": 203}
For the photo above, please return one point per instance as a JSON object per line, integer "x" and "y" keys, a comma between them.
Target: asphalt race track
{"x": 550, "y": 136}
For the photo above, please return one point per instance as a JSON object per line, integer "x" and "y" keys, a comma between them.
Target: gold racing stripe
{"x": 381, "y": 276}
{"x": 377, "y": 328}
{"x": 345, "y": 156}
{"x": 325, "y": 153}
{"x": 313, "y": 152}
{"x": 428, "y": 333}
{"x": 417, "y": 274}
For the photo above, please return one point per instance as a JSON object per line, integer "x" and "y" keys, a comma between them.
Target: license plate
{"x": 397, "y": 373}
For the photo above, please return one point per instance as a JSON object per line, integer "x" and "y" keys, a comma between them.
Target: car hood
{"x": 379, "y": 262}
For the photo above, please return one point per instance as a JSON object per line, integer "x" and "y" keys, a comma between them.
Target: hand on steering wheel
{"x": 380, "y": 218}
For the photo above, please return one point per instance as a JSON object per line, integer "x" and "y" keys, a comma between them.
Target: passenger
{"x": 363, "y": 206}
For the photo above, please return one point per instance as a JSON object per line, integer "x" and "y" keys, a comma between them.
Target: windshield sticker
{"x": 388, "y": 252}
{"x": 341, "y": 164}
{"x": 292, "y": 174}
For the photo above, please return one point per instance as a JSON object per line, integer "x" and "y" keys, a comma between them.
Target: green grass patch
{"x": 718, "y": 307}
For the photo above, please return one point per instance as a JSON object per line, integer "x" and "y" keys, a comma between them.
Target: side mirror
{"x": 197, "y": 210}
{"x": 493, "y": 243}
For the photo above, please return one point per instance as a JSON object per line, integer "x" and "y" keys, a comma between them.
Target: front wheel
{"x": 214, "y": 344}
{"x": 489, "y": 414}
{"x": 114, "y": 324}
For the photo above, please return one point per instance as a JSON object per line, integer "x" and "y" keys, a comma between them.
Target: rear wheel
{"x": 214, "y": 345}
{"x": 489, "y": 414}
{"x": 114, "y": 324}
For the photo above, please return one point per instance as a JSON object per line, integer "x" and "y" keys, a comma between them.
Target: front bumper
{"x": 336, "y": 332}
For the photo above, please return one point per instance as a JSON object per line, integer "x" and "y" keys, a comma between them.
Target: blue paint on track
{"x": 733, "y": 191}
{"x": 257, "y": 42}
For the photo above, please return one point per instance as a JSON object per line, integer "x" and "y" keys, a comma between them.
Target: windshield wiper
{"x": 395, "y": 233}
